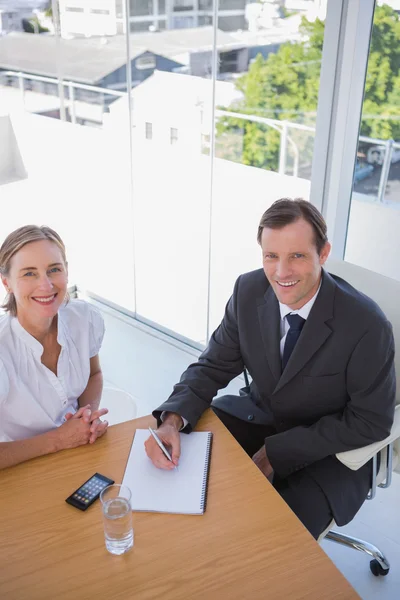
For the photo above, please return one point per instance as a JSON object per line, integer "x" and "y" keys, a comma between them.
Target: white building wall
{"x": 87, "y": 17}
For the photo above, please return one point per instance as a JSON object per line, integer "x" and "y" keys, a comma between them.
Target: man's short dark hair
{"x": 286, "y": 211}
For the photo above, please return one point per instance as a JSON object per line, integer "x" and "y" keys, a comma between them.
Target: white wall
{"x": 85, "y": 21}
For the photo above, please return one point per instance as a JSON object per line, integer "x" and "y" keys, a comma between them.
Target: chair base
{"x": 379, "y": 565}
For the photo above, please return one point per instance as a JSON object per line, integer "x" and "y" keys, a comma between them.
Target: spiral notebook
{"x": 182, "y": 490}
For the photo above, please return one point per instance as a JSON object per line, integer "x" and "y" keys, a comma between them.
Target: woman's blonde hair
{"x": 17, "y": 240}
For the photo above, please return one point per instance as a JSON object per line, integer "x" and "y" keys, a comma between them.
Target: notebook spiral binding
{"x": 204, "y": 489}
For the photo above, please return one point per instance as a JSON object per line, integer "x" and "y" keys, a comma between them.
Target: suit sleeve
{"x": 220, "y": 362}
{"x": 367, "y": 417}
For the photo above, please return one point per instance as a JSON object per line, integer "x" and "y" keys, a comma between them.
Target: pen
{"x": 160, "y": 444}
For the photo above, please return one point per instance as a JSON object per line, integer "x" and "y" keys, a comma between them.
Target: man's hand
{"x": 168, "y": 432}
{"x": 97, "y": 427}
{"x": 260, "y": 459}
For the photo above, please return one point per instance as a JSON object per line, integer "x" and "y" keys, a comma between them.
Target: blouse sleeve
{"x": 4, "y": 383}
{"x": 96, "y": 330}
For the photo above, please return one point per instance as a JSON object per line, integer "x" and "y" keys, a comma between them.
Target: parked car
{"x": 376, "y": 155}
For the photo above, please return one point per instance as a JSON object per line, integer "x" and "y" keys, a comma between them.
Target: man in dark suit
{"x": 320, "y": 356}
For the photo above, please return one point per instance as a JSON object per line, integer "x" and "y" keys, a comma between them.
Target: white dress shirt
{"x": 304, "y": 311}
{"x": 33, "y": 399}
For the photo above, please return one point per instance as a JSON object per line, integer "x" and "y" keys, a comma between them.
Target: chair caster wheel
{"x": 376, "y": 569}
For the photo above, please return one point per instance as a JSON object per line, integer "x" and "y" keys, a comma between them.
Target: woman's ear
{"x": 4, "y": 281}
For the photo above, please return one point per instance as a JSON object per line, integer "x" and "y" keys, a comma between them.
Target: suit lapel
{"x": 270, "y": 318}
{"x": 315, "y": 331}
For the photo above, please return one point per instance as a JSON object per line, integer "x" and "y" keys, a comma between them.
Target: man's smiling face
{"x": 291, "y": 262}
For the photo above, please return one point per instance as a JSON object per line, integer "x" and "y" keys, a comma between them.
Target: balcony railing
{"x": 282, "y": 126}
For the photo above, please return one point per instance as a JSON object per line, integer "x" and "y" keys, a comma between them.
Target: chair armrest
{"x": 355, "y": 459}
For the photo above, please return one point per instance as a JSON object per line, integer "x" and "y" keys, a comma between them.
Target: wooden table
{"x": 248, "y": 544}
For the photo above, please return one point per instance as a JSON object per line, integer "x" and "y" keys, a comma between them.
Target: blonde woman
{"x": 50, "y": 376}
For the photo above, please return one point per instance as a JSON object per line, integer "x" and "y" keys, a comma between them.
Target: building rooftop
{"x": 82, "y": 60}
{"x": 88, "y": 60}
{"x": 183, "y": 90}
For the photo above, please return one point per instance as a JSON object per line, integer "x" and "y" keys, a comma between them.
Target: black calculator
{"x": 88, "y": 493}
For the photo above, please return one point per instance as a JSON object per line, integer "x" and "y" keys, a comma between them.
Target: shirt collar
{"x": 32, "y": 342}
{"x": 304, "y": 311}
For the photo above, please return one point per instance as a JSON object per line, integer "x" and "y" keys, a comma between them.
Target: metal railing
{"x": 71, "y": 85}
{"x": 282, "y": 126}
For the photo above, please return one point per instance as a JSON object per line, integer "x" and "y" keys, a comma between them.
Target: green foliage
{"x": 33, "y": 26}
{"x": 49, "y": 9}
{"x": 285, "y": 86}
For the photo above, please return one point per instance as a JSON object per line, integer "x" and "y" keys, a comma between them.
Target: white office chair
{"x": 386, "y": 293}
{"x": 121, "y": 405}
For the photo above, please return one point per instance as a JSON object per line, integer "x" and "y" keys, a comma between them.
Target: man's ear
{"x": 325, "y": 252}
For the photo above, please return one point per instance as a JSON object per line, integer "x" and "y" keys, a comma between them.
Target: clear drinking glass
{"x": 117, "y": 518}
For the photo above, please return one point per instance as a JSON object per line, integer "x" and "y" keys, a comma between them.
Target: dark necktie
{"x": 296, "y": 325}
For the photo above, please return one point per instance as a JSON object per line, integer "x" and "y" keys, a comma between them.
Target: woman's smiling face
{"x": 38, "y": 279}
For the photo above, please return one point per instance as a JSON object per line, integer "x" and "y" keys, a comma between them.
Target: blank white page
{"x": 180, "y": 490}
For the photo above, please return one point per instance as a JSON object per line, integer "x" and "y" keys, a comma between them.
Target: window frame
{"x": 345, "y": 55}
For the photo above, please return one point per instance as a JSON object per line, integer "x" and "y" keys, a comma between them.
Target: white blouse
{"x": 33, "y": 399}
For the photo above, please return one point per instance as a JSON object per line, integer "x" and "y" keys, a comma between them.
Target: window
{"x": 119, "y": 8}
{"x": 182, "y": 5}
{"x": 173, "y": 135}
{"x": 260, "y": 135}
{"x": 232, "y": 5}
{"x": 149, "y": 131}
{"x": 373, "y": 239}
{"x": 140, "y": 26}
{"x": 182, "y": 22}
{"x": 99, "y": 11}
{"x": 147, "y": 61}
{"x": 141, "y": 8}
{"x": 93, "y": 140}
{"x": 228, "y": 61}
{"x": 207, "y": 20}
{"x": 231, "y": 23}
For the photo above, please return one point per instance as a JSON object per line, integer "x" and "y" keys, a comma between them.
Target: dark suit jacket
{"x": 336, "y": 393}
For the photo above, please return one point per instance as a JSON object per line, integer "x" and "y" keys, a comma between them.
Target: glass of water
{"x": 117, "y": 518}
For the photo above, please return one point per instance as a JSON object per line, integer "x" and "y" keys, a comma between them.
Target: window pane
{"x": 374, "y": 223}
{"x": 171, "y": 180}
{"x": 140, "y": 8}
{"x": 266, "y": 105}
{"x": 140, "y": 26}
{"x": 149, "y": 131}
{"x": 182, "y": 5}
{"x": 67, "y": 167}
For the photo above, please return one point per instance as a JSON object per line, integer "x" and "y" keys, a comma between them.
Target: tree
{"x": 33, "y": 26}
{"x": 285, "y": 86}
